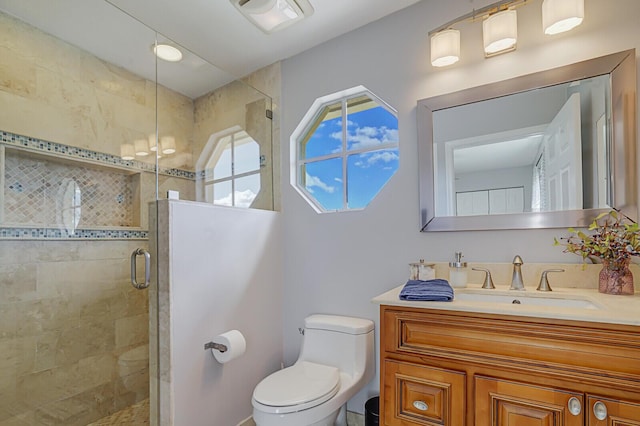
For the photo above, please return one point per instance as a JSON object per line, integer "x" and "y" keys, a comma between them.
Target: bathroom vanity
{"x": 570, "y": 358}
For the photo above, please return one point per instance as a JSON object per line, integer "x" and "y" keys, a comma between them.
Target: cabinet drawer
{"x": 421, "y": 395}
{"x": 504, "y": 403}
{"x": 606, "y": 412}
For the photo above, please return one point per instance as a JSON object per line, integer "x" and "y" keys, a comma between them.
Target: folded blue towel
{"x": 437, "y": 290}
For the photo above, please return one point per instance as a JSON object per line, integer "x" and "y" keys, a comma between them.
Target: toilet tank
{"x": 343, "y": 342}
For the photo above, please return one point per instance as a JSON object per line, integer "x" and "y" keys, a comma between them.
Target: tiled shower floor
{"x": 137, "y": 414}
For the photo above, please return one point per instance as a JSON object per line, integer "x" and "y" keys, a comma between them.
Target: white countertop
{"x": 612, "y": 309}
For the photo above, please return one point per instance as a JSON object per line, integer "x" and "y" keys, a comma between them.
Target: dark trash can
{"x": 372, "y": 412}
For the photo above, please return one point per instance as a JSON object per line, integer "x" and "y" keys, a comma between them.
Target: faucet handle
{"x": 544, "y": 282}
{"x": 488, "y": 282}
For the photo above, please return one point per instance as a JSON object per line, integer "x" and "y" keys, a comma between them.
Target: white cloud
{"x": 370, "y": 159}
{"x": 384, "y": 156}
{"x": 243, "y": 199}
{"x": 314, "y": 181}
{"x": 337, "y": 179}
{"x": 363, "y": 137}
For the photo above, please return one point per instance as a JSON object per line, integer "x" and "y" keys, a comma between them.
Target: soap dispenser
{"x": 458, "y": 272}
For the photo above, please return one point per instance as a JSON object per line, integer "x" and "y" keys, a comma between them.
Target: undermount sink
{"x": 521, "y": 299}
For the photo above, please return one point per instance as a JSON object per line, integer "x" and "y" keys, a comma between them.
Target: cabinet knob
{"x": 420, "y": 405}
{"x": 575, "y": 406}
{"x": 600, "y": 410}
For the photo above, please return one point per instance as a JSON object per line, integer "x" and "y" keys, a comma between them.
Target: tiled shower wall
{"x": 68, "y": 321}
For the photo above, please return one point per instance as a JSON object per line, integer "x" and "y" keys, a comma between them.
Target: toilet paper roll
{"x": 235, "y": 343}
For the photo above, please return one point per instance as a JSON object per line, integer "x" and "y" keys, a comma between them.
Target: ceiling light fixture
{"x": 273, "y": 15}
{"x": 500, "y": 27}
{"x": 559, "y": 16}
{"x": 167, "y": 52}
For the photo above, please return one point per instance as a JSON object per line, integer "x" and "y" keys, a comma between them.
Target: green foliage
{"x": 611, "y": 239}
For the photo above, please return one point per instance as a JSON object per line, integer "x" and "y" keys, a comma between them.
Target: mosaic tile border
{"x": 11, "y": 233}
{"x": 68, "y": 151}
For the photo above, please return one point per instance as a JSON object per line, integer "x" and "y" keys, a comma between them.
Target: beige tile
{"x": 132, "y": 388}
{"x": 26, "y": 349}
{"x": 128, "y": 302}
{"x": 35, "y": 317}
{"x": 134, "y": 415}
{"x": 132, "y": 330}
{"x": 84, "y": 340}
{"x": 8, "y": 319}
{"x": 16, "y": 76}
{"x": 46, "y": 350}
{"x": 70, "y": 278}
{"x": 17, "y": 282}
{"x": 58, "y": 383}
{"x": 355, "y": 419}
{"x": 78, "y": 409}
{"x": 8, "y": 358}
{"x": 24, "y": 419}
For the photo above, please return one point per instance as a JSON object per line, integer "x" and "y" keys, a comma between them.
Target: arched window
{"x": 232, "y": 172}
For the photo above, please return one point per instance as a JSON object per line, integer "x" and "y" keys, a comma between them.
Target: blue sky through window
{"x": 366, "y": 172}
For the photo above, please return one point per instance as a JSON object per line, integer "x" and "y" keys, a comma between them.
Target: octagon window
{"x": 346, "y": 150}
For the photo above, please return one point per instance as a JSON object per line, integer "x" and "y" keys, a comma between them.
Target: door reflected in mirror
{"x": 537, "y": 151}
{"x": 551, "y": 149}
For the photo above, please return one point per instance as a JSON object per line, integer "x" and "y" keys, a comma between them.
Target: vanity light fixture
{"x": 500, "y": 32}
{"x": 152, "y": 142}
{"x": 273, "y": 15}
{"x": 559, "y": 16}
{"x": 167, "y": 145}
{"x": 500, "y": 27}
{"x": 167, "y": 52}
{"x": 141, "y": 147}
{"x": 445, "y": 48}
{"x": 127, "y": 152}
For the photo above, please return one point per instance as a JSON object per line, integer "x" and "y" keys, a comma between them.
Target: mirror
{"x": 545, "y": 150}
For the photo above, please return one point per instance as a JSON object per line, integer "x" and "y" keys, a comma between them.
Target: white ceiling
{"x": 213, "y": 29}
{"x": 522, "y": 152}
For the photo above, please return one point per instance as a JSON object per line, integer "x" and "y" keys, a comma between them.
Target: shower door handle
{"x": 147, "y": 268}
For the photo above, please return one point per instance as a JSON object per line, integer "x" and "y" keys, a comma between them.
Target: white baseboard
{"x": 247, "y": 422}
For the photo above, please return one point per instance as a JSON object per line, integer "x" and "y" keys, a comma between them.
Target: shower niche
{"x": 59, "y": 195}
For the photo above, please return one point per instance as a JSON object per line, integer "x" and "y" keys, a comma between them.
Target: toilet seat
{"x": 301, "y": 386}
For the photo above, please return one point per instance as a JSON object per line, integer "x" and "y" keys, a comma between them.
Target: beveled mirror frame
{"x": 621, "y": 67}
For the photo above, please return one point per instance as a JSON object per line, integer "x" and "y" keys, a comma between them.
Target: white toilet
{"x": 336, "y": 361}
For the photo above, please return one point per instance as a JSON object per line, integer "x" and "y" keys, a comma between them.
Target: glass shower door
{"x": 75, "y": 123}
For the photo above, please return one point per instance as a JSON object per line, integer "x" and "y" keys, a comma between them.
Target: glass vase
{"x": 616, "y": 279}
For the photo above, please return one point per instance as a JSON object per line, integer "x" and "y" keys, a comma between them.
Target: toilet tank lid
{"x": 342, "y": 324}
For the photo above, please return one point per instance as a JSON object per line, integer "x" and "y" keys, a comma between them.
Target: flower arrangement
{"x": 615, "y": 239}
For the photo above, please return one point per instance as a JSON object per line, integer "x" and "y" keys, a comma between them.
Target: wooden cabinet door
{"x": 421, "y": 395}
{"x": 607, "y": 412}
{"x": 504, "y": 403}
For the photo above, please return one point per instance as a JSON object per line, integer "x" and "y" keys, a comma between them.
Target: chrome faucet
{"x": 516, "y": 280}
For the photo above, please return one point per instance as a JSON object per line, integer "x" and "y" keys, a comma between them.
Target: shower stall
{"x": 93, "y": 132}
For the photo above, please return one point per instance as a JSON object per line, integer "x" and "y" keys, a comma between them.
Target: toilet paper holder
{"x": 217, "y": 346}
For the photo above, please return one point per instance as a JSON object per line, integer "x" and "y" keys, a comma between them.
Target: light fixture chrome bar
{"x": 475, "y": 13}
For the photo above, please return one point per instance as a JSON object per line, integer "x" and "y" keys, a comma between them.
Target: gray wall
{"x": 335, "y": 263}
